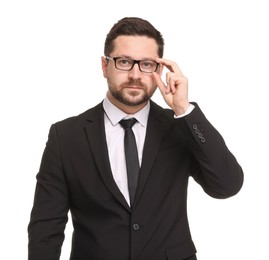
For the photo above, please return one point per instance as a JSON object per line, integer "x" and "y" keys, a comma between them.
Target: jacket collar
{"x": 114, "y": 114}
{"x": 95, "y": 130}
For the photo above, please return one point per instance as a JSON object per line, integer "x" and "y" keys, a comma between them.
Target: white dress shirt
{"x": 115, "y": 140}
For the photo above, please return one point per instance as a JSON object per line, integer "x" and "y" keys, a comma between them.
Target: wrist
{"x": 188, "y": 111}
{"x": 182, "y": 109}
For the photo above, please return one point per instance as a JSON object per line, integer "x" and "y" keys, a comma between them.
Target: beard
{"x": 131, "y": 97}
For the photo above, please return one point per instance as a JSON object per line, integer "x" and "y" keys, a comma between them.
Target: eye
{"x": 147, "y": 64}
{"x": 124, "y": 62}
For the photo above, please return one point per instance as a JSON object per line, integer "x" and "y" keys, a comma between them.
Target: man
{"x": 85, "y": 165}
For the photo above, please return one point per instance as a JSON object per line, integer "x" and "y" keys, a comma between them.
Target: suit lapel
{"x": 95, "y": 131}
{"x": 156, "y": 127}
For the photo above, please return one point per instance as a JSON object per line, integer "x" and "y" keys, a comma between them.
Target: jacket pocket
{"x": 181, "y": 251}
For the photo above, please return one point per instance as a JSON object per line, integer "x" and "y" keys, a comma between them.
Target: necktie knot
{"x": 128, "y": 123}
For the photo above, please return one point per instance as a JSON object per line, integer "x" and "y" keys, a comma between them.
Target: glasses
{"x": 125, "y": 64}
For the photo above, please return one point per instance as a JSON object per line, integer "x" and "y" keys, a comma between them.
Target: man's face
{"x": 131, "y": 88}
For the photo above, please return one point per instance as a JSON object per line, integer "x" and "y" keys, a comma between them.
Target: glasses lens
{"x": 148, "y": 65}
{"x": 124, "y": 64}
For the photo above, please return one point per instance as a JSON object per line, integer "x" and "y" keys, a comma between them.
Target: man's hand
{"x": 175, "y": 91}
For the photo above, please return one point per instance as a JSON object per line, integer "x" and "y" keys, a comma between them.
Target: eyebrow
{"x": 128, "y": 57}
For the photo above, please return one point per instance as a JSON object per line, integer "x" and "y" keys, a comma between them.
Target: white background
{"x": 50, "y": 69}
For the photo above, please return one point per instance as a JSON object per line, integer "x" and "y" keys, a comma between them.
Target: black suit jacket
{"x": 75, "y": 175}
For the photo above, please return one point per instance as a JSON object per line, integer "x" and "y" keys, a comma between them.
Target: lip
{"x": 134, "y": 87}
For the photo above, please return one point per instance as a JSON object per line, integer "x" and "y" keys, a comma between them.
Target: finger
{"x": 168, "y": 88}
{"x": 170, "y": 65}
{"x": 172, "y": 84}
{"x": 171, "y": 79}
{"x": 160, "y": 84}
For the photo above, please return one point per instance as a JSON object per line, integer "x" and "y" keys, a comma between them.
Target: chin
{"x": 136, "y": 101}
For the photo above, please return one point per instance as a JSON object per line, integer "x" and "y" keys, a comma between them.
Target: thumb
{"x": 162, "y": 87}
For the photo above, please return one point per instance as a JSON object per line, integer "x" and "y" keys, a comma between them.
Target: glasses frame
{"x": 134, "y": 62}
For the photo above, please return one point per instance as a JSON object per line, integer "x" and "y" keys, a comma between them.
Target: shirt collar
{"x": 114, "y": 114}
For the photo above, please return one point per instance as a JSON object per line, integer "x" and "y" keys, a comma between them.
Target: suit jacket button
{"x": 202, "y": 140}
{"x": 194, "y": 126}
{"x": 136, "y": 227}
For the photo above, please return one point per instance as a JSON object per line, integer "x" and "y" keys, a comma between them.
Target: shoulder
{"x": 159, "y": 111}
{"x": 74, "y": 125}
{"x": 87, "y": 115}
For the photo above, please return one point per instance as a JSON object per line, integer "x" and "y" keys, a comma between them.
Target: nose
{"x": 135, "y": 72}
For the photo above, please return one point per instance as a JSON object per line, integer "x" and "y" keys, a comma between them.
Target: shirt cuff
{"x": 188, "y": 111}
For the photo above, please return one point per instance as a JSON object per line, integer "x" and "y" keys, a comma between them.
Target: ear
{"x": 104, "y": 66}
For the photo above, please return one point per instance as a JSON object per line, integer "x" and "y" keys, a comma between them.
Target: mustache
{"x": 133, "y": 82}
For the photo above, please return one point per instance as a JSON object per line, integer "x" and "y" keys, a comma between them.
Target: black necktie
{"x": 131, "y": 155}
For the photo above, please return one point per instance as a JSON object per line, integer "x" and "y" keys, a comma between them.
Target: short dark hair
{"x": 133, "y": 26}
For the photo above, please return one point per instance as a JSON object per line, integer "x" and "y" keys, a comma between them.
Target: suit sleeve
{"x": 50, "y": 209}
{"x": 215, "y": 168}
